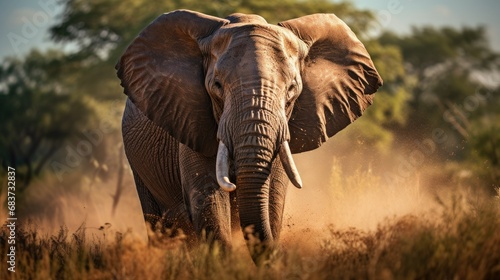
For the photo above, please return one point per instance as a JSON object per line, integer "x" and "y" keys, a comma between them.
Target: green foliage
{"x": 442, "y": 61}
{"x": 428, "y": 46}
{"x": 485, "y": 149}
{"x": 38, "y": 112}
{"x": 448, "y": 67}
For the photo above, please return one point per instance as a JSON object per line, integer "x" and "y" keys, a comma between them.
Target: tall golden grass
{"x": 367, "y": 231}
{"x": 462, "y": 243}
{"x": 458, "y": 239}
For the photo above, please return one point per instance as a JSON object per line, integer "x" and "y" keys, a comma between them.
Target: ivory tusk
{"x": 222, "y": 168}
{"x": 289, "y": 165}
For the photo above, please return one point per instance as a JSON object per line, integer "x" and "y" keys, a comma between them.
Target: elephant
{"x": 217, "y": 106}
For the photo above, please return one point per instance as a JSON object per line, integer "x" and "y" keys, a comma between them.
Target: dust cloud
{"x": 331, "y": 197}
{"x": 49, "y": 204}
{"x": 335, "y": 198}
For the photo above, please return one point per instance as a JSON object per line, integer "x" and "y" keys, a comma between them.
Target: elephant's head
{"x": 248, "y": 91}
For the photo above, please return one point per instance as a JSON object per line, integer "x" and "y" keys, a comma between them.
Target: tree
{"x": 442, "y": 61}
{"x": 448, "y": 67}
{"x": 38, "y": 114}
{"x": 483, "y": 153}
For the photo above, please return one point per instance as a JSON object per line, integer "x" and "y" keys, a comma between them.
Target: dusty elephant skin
{"x": 217, "y": 106}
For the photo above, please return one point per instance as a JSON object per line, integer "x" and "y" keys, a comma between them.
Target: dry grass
{"x": 461, "y": 242}
{"x": 355, "y": 226}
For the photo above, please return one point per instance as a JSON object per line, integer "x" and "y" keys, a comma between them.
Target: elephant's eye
{"x": 217, "y": 85}
{"x": 291, "y": 91}
{"x": 217, "y": 89}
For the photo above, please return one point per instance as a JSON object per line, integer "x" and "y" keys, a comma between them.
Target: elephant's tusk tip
{"x": 227, "y": 185}
{"x": 289, "y": 165}
{"x": 222, "y": 169}
{"x": 297, "y": 183}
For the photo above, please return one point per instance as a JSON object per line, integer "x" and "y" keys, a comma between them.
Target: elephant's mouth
{"x": 222, "y": 167}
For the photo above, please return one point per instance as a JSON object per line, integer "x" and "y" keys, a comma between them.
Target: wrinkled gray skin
{"x": 208, "y": 94}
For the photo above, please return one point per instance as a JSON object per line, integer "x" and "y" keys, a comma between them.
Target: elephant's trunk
{"x": 253, "y": 162}
{"x": 253, "y": 206}
{"x": 259, "y": 131}
{"x": 253, "y": 130}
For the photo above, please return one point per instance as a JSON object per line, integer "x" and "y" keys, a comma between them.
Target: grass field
{"x": 353, "y": 226}
{"x": 461, "y": 241}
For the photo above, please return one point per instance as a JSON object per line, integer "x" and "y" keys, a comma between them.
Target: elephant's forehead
{"x": 246, "y": 28}
{"x": 244, "y": 18}
{"x": 251, "y": 34}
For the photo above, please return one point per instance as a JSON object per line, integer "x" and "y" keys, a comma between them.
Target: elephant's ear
{"x": 162, "y": 73}
{"x": 339, "y": 80}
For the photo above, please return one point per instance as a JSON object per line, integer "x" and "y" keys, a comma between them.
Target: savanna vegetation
{"x": 459, "y": 239}
{"x": 432, "y": 129}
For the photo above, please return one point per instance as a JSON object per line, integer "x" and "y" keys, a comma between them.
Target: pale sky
{"x": 24, "y": 24}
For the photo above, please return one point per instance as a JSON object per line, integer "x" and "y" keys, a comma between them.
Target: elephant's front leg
{"x": 208, "y": 205}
